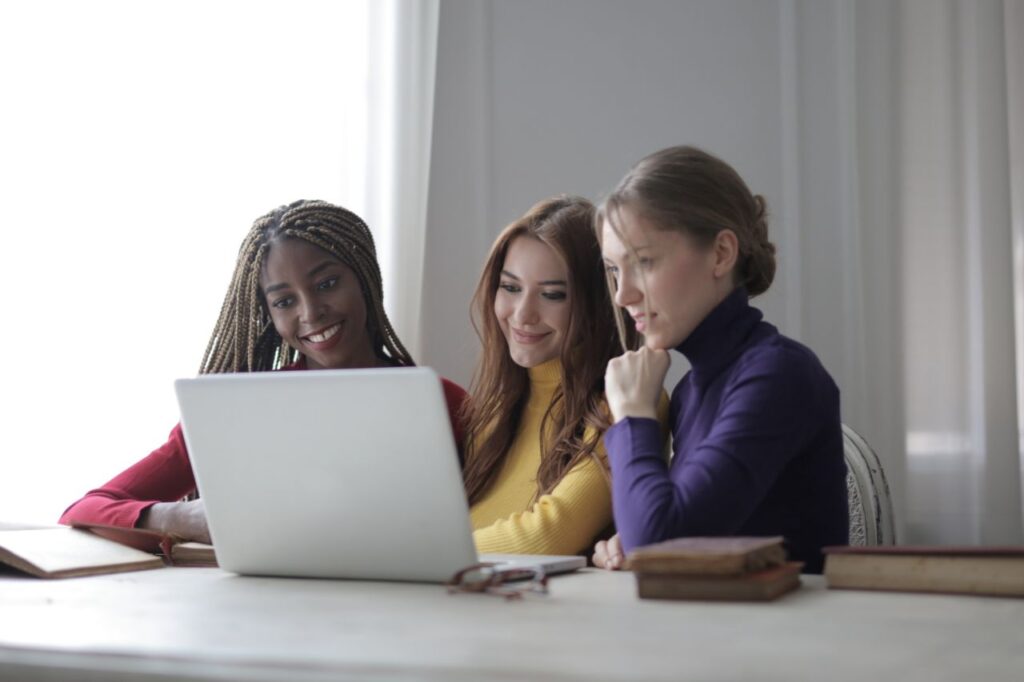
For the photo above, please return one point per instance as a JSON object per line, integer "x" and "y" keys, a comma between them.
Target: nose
{"x": 526, "y": 312}
{"x": 310, "y": 309}
{"x": 627, "y": 292}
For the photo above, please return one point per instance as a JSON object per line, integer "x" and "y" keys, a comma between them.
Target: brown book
{"x": 63, "y": 552}
{"x": 763, "y": 585}
{"x": 174, "y": 549}
{"x": 193, "y": 554}
{"x": 708, "y": 556}
{"x": 996, "y": 571}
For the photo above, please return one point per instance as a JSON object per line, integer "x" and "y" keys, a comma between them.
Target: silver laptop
{"x": 334, "y": 474}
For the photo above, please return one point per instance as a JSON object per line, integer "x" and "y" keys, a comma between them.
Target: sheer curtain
{"x": 959, "y": 72}
{"x": 402, "y": 68}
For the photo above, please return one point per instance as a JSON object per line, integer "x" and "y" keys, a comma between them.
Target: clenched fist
{"x": 633, "y": 383}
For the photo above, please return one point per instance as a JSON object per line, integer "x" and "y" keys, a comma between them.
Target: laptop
{"x": 334, "y": 474}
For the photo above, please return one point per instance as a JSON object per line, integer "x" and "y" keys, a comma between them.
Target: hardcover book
{"x": 763, "y": 585}
{"x": 708, "y": 556}
{"x": 717, "y": 568}
{"x": 993, "y": 570}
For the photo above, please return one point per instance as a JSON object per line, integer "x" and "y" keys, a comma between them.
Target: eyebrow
{"x": 638, "y": 249}
{"x": 546, "y": 283}
{"x": 312, "y": 273}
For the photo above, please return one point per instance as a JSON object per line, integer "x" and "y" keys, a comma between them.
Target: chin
{"x": 656, "y": 343}
{"x": 528, "y": 360}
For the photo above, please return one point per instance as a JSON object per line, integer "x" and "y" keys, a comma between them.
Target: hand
{"x": 184, "y": 520}
{"x": 608, "y": 554}
{"x": 633, "y": 382}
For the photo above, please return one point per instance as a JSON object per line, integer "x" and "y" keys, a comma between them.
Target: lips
{"x": 526, "y": 337}
{"x": 324, "y": 338}
{"x": 642, "y": 321}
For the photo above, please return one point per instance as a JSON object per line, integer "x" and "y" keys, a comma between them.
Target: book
{"x": 64, "y": 552}
{"x": 762, "y": 585}
{"x": 193, "y": 554}
{"x": 992, "y": 570}
{"x": 714, "y": 568}
{"x": 708, "y": 556}
{"x": 177, "y": 551}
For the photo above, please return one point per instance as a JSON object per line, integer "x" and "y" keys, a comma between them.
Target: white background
{"x": 138, "y": 142}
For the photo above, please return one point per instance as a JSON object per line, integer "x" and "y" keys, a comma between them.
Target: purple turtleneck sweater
{"x": 757, "y": 442}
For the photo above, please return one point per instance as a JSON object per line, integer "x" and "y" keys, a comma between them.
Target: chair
{"x": 871, "y": 517}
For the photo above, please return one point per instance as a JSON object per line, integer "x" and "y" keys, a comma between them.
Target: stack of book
{"x": 725, "y": 568}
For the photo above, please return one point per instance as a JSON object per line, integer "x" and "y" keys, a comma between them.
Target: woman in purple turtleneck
{"x": 757, "y": 440}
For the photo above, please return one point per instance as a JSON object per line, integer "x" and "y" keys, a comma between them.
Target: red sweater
{"x": 165, "y": 475}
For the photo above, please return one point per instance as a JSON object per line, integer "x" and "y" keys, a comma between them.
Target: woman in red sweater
{"x": 306, "y": 294}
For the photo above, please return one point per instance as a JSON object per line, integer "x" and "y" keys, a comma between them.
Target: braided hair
{"x": 244, "y": 339}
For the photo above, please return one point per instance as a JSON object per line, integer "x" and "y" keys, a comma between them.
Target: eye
{"x": 554, "y": 295}
{"x": 328, "y": 283}
{"x": 283, "y": 303}
{"x": 646, "y": 262}
{"x": 509, "y": 287}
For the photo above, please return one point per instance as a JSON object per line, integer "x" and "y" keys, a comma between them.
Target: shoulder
{"x": 786, "y": 364}
{"x": 453, "y": 393}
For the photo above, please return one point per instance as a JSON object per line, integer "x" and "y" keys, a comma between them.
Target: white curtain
{"x": 959, "y": 73}
{"x": 403, "y": 55}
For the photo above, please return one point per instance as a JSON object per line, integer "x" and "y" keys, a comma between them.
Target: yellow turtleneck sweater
{"x": 566, "y": 520}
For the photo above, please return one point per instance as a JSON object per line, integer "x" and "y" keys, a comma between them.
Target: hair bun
{"x": 760, "y": 266}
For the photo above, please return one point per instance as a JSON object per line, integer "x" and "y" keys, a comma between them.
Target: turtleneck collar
{"x": 544, "y": 379}
{"x": 547, "y": 373}
{"x": 720, "y": 336}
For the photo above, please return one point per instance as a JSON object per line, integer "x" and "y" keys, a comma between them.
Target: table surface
{"x": 207, "y": 624}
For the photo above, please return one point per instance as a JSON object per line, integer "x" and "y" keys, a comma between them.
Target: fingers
{"x": 615, "y": 556}
{"x": 608, "y": 554}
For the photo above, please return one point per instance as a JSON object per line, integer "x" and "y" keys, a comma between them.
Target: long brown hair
{"x": 244, "y": 339}
{"x": 500, "y": 387}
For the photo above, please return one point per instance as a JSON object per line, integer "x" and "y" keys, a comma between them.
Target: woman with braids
{"x": 535, "y": 472}
{"x": 757, "y": 439}
{"x": 306, "y": 294}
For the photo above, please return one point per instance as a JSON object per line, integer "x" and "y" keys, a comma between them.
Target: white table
{"x": 206, "y": 624}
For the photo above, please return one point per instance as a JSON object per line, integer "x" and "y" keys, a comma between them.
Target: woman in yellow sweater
{"x": 535, "y": 471}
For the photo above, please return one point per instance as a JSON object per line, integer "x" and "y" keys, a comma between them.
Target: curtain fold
{"x": 959, "y": 290}
{"x": 403, "y": 56}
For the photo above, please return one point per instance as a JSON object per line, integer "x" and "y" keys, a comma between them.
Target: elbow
{"x": 653, "y": 524}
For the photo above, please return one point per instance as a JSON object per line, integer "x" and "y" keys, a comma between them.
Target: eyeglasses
{"x": 492, "y": 580}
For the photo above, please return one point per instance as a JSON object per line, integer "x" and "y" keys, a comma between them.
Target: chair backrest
{"x": 871, "y": 517}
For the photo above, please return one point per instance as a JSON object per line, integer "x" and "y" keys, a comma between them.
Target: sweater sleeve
{"x": 165, "y": 475}
{"x": 565, "y": 521}
{"x": 455, "y": 396}
{"x": 764, "y": 418}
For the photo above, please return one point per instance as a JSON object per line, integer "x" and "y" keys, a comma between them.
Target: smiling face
{"x": 532, "y": 301}
{"x": 317, "y": 305}
{"x": 670, "y": 285}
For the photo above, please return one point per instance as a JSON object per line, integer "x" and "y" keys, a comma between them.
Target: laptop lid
{"x": 329, "y": 473}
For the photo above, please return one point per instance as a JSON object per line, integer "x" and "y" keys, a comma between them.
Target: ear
{"x": 726, "y": 249}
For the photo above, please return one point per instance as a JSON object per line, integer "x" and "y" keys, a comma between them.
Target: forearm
{"x": 165, "y": 475}
{"x": 566, "y": 521}
{"x": 97, "y": 507}
{"x": 184, "y": 520}
{"x": 642, "y": 491}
